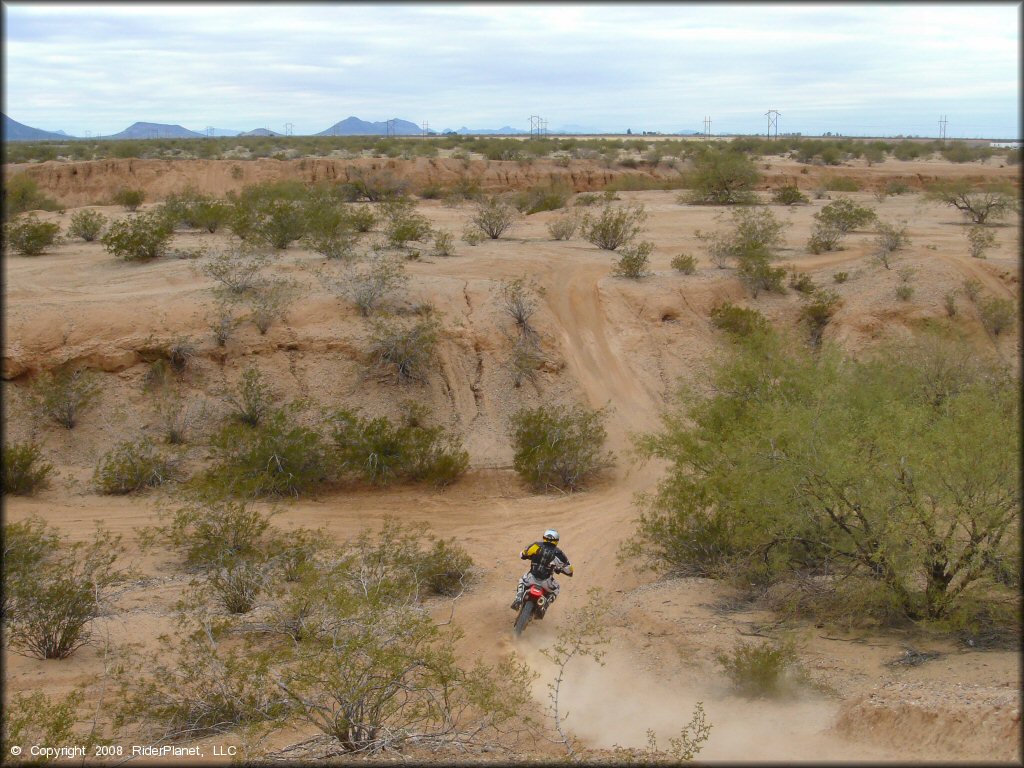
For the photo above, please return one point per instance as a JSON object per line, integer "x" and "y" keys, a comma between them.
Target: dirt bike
{"x": 535, "y": 605}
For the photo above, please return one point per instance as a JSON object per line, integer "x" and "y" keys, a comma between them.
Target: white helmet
{"x": 551, "y": 536}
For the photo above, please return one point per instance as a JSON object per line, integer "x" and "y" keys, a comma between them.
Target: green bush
{"x": 138, "y": 238}
{"x": 369, "y": 281}
{"x": 824, "y": 237}
{"x": 557, "y": 447}
{"x": 87, "y": 225}
{"x": 739, "y": 321}
{"x": 131, "y": 199}
{"x": 722, "y": 177}
{"x": 379, "y": 452}
{"x": 684, "y": 263}
{"x": 238, "y": 270}
{"x": 253, "y": 399}
{"x": 362, "y": 218}
{"x": 979, "y": 203}
{"x": 52, "y": 606}
{"x": 493, "y": 217}
{"x": 59, "y": 396}
{"x": 845, "y": 215}
{"x": 278, "y": 457}
{"x": 563, "y": 227}
{"x": 789, "y": 194}
{"x": 757, "y": 274}
{"x": 550, "y": 197}
{"x": 29, "y": 236}
{"x": 997, "y": 315}
{"x": 817, "y": 312}
{"x": 634, "y": 260}
{"x": 980, "y": 240}
{"x": 279, "y": 223}
{"x": 615, "y": 226}
{"x": 21, "y": 194}
{"x": 841, "y": 184}
{"x": 753, "y": 233}
{"x": 889, "y": 239}
{"x": 757, "y": 669}
{"x": 402, "y": 348}
{"x": 841, "y": 277}
{"x": 444, "y": 244}
{"x": 24, "y": 469}
{"x": 130, "y": 467}
{"x": 214, "y": 528}
{"x": 801, "y": 282}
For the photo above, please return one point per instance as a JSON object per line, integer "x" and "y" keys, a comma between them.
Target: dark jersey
{"x": 541, "y": 554}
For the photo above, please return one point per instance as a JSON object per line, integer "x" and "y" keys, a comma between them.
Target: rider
{"x": 542, "y": 556}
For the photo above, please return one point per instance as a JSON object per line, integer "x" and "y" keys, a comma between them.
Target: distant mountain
{"x": 154, "y": 131}
{"x": 15, "y": 131}
{"x": 353, "y": 126}
{"x": 260, "y": 132}
{"x": 506, "y": 130}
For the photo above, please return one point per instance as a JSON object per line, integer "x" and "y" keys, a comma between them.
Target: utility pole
{"x": 773, "y": 122}
{"x": 391, "y": 126}
{"x": 707, "y": 127}
{"x": 942, "y": 128}
{"x": 426, "y": 128}
{"x": 288, "y": 129}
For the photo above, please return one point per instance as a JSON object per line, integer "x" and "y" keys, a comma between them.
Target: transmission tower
{"x": 535, "y": 123}
{"x": 707, "y": 127}
{"x": 942, "y": 128}
{"x": 209, "y": 131}
{"x": 544, "y": 126}
{"x": 288, "y": 129}
{"x": 773, "y": 122}
{"x": 425, "y": 128}
{"x": 391, "y": 126}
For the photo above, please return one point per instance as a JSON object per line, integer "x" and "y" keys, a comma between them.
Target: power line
{"x": 942, "y": 127}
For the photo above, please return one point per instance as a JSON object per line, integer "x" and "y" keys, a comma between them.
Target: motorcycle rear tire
{"x": 525, "y": 614}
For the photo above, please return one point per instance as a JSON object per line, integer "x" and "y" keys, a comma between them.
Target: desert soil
{"x": 611, "y": 343}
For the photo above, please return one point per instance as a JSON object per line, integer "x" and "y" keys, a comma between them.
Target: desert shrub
{"x": 789, "y": 194}
{"x": 549, "y": 197}
{"x": 889, "y": 239}
{"x": 237, "y": 270}
{"x": 472, "y": 236}
{"x": 757, "y": 669}
{"x": 59, "y": 396}
{"x": 801, "y": 282}
{"x": 757, "y": 274}
{"x": 519, "y": 300}
{"x": 210, "y": 215}
{"x": 805, "y": 462}
{"x": 897, "y": 187}
{"x": 138, "y": 238}
{"x": 198, "y": 685}
{"x": 362, "y": 218}
{"x": 557, "y": 447}
{"x": 212, "y": 528}
{"x": 329, "y": 230}
{"x": 997, "y": 315}
{"x": 824, "y": 237}
{"x": 270, "y": 303}
{"x": 444, "y": 244}
{"x": 751, "y": 234}
{"x": 37, "y": 719}
{"x": 845, "y": 215}
{"x": 377, "y": 186}
{"x": 402, "y": 348}
{"x": 980, "y": 240}
{"x": 369, "y": 281}
{"x": 21, "y": 194}
{"x": 130, "y": 467}
{"x": 87, "y": 225}
{"x": 493, "y": 217}
{"x": 586, "y": 199}
{"x": 841, "y": 184}
{"x": 181, "y": 353}
{"x": 981, "y": 203}
{"x": 379, "y": 452}
{"x": 614, "y": 226}
{"x": 402, "y": 224}
{"x": 949, "y": 303}
{"x": 563, "y": 227}
{"x": 634, "y": 260}
{"x": 904, "y": 291}
{"x": 972, "y": 289}
{"x": 25, "y": 471}
{"x": 53, "y": 605}
{"x": 684, "y": 263}
{"x": 278, "y": 457}
{"x": 29, "y": 236}
{"x": 739, "y": 321}
{"x": 178, "y": 417}
{"x": 130, "y": 199}
{"x": 722, "y": 177}
{"x": 279, "y": 223}
{"x": 817, "y": 312}
{"x": 223, "y": 322}
{"x": 252, "y": 400}
{"x": 237, "y": 584}
{"x": 841, "y": 277}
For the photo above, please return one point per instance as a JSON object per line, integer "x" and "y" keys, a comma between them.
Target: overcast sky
{"x": 855, "y": 69}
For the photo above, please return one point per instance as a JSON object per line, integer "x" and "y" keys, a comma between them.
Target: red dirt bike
{"x": 535, "y": 605}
